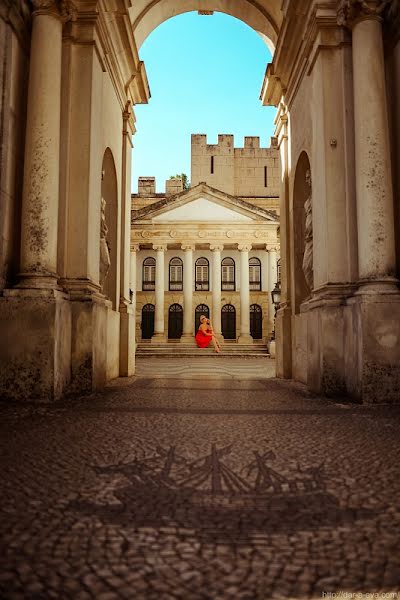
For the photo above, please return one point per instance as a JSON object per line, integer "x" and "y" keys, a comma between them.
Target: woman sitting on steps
{"x": 205, "y": 335}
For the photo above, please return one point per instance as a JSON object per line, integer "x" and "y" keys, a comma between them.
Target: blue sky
{"x": 205, "y": 75}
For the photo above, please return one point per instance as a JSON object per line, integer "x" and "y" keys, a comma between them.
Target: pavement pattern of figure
{"x": 199, "y": 489}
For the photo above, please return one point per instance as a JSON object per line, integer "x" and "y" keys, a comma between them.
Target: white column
{"x": 272, "y": 279}
{"x": 42, "y": 150}
{"x": 245, "y": 337}
{"x": 132, "y": 270}
{"x": 375, "y": 219}
{"x": 188, "y": 316}
{"x": 216, "y": 289}
{"x": 159, "y": 333}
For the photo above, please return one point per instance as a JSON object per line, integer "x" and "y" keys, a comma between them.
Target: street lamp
{"x": 276, "y": 300}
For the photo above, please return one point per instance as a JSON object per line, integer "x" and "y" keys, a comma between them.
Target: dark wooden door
{"x": 228, "y": 322}
{"x": 175, "y": 321}
{"x": 256, "y": 321}
{"x": 148, "y": 321}
{"x": 201, "y": 309}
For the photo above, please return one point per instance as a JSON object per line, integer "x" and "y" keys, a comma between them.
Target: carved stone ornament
{"x": 105, "y": 260}
{"x": 308, "y": 266}
{"x": 351, "y": 11}
{"x": 245, "y": 247}
{"x": 60, "y": 8}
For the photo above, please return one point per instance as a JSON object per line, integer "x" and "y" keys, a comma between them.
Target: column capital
{"x": 271, "y": 249}
{"x": 245, "y": 247}
{"x": 351, "y": 12}
{"x": 216, "y": 247}
{"x": 135, "y": 247}
{"x": 188, "y": 247}
{"x": 160, "y": 247}
{"x": 62, "y": 9}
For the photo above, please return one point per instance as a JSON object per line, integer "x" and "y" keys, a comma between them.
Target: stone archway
{"x": 264, "y": 16}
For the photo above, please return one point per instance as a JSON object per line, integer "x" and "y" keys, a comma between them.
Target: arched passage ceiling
{"x": 264, "y": 16}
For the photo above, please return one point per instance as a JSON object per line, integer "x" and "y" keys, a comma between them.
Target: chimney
{"x": 147, "y": 186}
{"x": 173, "y": 186}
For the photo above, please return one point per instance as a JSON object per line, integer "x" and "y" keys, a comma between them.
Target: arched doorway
{"x": 175, "y": 322}
{"x": 148, "y": 311}
{"x": 228, "y": 322}
{"x": 256, "y": 321}
{"x": 201, "y": 309}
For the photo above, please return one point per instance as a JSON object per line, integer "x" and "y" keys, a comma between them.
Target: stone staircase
{"x": 175, "y": 349}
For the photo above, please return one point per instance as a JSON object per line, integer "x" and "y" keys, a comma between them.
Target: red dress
{"x": 203, "y": 340}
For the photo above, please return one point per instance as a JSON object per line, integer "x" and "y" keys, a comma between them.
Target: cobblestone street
{"x": 161, "y": 489}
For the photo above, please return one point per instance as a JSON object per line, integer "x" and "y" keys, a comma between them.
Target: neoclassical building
{"x": 70, "y": 77}
{"x": 203, "y": 251}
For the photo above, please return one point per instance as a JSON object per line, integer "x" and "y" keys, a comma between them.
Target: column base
{"x": 272, "y": 348}
{"x": 245, "y": 338}
{"x": 283, "y": 327}
{"x": 127, "y": 341}
{"x": 159, "y": 338}
{"x": 188, "y": 339}
{"x": 35, "y": 353}
{"x": 37, "y": 281}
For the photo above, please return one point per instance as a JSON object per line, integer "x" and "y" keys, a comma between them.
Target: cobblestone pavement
{"x": 187, "y": 489}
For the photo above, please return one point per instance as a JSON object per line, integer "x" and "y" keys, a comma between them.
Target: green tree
{"x": 185, "y": 180}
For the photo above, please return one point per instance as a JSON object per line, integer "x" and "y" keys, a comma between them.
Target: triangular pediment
{"x": 204, "y": 204}
{"x": 202, "y": 209}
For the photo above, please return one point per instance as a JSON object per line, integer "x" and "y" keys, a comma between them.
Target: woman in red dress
{"x": 205, "y": 335}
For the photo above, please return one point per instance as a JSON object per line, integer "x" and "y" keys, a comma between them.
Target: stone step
{"x": 188, "y": 350}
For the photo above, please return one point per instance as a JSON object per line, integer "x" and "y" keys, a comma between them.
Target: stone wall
{"x": 250, "y": 171}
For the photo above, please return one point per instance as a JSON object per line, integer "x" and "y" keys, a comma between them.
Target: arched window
{"x": 255, "y": 274}
{"x": 175, "y": 275}
{"x": 228, "y": 282}
{"x": 202, "y": 275}
{"x": 149, "y": 274}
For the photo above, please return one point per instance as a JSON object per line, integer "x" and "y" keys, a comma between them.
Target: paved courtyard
{"x": 214, "y": 489}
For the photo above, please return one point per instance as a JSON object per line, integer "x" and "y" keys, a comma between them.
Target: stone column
{"x": 127, "y": 301}
{"x": 216, "y": 290}
{"x": 376, "y": 242}
{"x": 188, "y": 317}
{"x": 132, "y": 270}
{"x": 42, "y": 150}
{"x": 272, "y": 279}
{"x": 245, "y": 337}
{"x": 159, "y": 333}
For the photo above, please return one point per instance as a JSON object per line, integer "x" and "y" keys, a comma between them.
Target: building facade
{"x": 202, "y": 251}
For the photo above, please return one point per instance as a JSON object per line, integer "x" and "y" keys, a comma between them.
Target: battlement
{"x": 147, "y": 186}
{"x": 249, "y": 170}
{"x": 226, "y": 141}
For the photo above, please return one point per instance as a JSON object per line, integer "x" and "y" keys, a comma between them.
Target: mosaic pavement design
{"x": 216, "y": 490}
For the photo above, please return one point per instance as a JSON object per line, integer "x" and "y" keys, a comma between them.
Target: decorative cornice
{"x": 351, "y": 12}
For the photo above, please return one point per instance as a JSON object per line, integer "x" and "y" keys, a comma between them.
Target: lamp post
{"x": 276, "y": 300}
